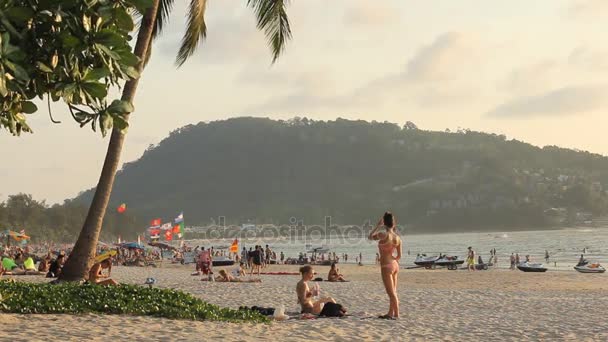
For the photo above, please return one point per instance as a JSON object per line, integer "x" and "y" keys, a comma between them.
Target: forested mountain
{"x": 266, "y": 171}
{"x": 60, "y": 223}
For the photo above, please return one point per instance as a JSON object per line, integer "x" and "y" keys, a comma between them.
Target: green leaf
{"x": 43, "y": 67}
{"x": 3, "y": 89}
{"x": 120, "y": 123}
{"x": 131, "y": 72}
{"x": 124, "y": 20}
{"x": 105, "y": 123}
{"x": 18, "y": 71}
{"x": 108, "y": 51}
{"x": 19, "y": 15}
{"x": 141, "y": 5}
{"x": 69, "y": 41}
{"x": 95, "y": 89}
{"x": 120, "y": 107}
{"x": 109, "y": 38}
{"x": 96, "y": 74}
{"x": 28, "y": 107}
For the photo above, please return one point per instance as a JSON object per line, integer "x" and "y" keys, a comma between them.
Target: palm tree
{"x": 271, "y": 18}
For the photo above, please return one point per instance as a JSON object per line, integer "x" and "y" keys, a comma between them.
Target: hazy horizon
{"x": 534, "y": 72}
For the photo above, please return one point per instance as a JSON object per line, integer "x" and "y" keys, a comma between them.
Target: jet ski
{"x": 590, "y": 268}
{"x": 450, "y": 261}
{"x": 531, "y": 267}
{"x": 427, "y": 262}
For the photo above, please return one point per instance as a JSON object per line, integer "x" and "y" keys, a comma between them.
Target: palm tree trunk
{"x": 81, "y": 258}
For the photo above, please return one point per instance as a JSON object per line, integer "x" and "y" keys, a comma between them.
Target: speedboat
{"x": 423, "y": 260}
{"x": 450, "y": 261}
{"x": 590, "y": 268}
{"x": 531, "y": 267}
{"x": 222, "y": 261}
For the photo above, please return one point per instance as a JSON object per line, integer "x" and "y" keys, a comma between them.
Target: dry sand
{"x": 444, "y": 305}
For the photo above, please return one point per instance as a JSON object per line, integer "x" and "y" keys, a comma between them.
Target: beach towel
{"x": 8, "y": 264}
{"x": 29, "y": 264}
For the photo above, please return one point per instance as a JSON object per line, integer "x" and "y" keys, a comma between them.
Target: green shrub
{"x": 44, "y": 298}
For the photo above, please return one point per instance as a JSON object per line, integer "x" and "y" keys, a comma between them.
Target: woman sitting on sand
{"x": 388, "y": 243}
{"x": 96, "y": 276}
{"x": 44, "y": 264}
{"x": 334, "y": 274}
{"x": 305, "y": 294}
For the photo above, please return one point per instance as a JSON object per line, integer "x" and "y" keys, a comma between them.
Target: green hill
{"x": 267, "y": 171}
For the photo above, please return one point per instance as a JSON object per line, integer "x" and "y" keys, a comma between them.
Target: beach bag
{"x": 333, "y": 310}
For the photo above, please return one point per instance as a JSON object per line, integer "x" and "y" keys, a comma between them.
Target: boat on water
{"x": 426, "y": 261}
{"x": 318, "y": 250}
{"x": 590, "y": 268}
{"x": 531, "y": 267}
{"x": 222, "y": 261}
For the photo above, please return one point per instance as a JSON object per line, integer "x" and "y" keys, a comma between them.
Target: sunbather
{"x": 305, "y": 295}
{"x": 96, "y": 275}
{"x": 334, "y": 274}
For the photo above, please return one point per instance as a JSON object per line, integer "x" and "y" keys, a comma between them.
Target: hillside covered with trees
{"x": 60, "y": 223}
{"x": 266, "y": 171}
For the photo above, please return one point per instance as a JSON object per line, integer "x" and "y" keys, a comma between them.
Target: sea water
{"x": 564, "y": 245}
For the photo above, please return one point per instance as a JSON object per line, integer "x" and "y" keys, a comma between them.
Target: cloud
{"x": 231, "y": 35}
{"x": 439, "y": 60}
{"x": 364, "y": 13}
{"x": 531, "y": 78}
{"x": 425, "y": 80}
{"x": 588, "y": 8}
{"x": 560, "y": 102}
{"x": 589, "y": 59}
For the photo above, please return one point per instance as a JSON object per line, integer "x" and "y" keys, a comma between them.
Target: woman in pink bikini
{"x": 388, "y": 243}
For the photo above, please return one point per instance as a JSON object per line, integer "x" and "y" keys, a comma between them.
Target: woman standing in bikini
{"x": 388, "y": 243}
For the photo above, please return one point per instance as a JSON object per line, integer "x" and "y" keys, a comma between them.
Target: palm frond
{"x": 196, "y": 30}
{"x": 272, "y": 19}
{"x": 162, "y": 17}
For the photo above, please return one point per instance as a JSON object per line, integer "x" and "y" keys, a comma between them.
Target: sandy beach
{"x": 499, "y": 305}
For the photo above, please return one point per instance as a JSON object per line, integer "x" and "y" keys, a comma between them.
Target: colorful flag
{"x": 178, "y": 225}
{"x": 234, "y": 248}
{"x": 155, "y": 222}
{"x": 168, "y": 235}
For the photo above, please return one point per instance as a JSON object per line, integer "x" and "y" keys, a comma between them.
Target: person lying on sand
{"x": 305, "y": 294}
{"x": 96, "y": 275}
{"x": 9, "y": 265}
{"x": 225, "y": 277}
{"x": 334, "y": 274}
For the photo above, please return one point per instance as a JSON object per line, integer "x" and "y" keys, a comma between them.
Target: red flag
{"x": 155, "y": 222}
{"x": 176, "y": 229}
{"x": 154, "y": 231}
{"x": 235, "y": 246}
{"x": 168, "y": 235}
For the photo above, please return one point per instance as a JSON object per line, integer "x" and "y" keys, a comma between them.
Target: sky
{"x": 536, "y": 71}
